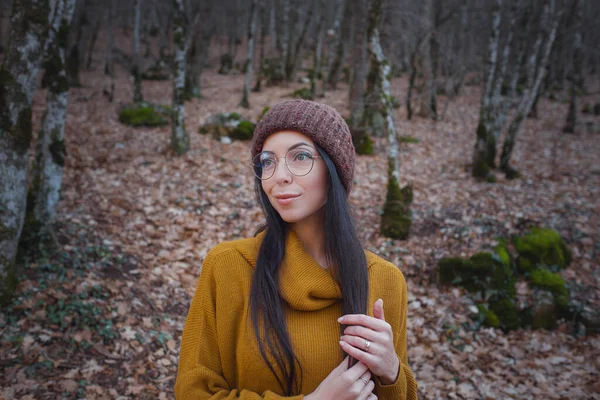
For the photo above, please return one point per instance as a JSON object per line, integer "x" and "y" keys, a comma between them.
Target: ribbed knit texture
{"x": 219, "y": 357}
{"x": 323, "y": 124}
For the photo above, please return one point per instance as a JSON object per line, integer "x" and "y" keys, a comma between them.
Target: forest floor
{"x": 102, "y": 316}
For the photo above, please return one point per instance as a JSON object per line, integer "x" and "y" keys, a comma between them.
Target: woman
{"x": 297, "y": 310}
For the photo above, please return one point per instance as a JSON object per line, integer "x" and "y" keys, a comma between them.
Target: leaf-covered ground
{"x": 102, "y": 317}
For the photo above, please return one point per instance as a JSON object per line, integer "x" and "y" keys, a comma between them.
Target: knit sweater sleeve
{"x": 200, "y": 375}
{"x": 405, "y": 386}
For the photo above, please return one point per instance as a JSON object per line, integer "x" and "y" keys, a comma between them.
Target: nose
{"x": 282, "y": 175}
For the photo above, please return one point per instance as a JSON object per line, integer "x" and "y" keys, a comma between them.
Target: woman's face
{"x": 309, "y": 191}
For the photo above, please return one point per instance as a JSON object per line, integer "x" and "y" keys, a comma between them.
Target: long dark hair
{"x": 344, "y": 253}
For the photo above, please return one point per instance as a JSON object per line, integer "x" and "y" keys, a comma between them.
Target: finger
{"x": 366, "y": 321}
{"x": 365, "y": 333}
{"x": 360, "y": 343}
{"x": 372, "y": 397}
{"x": 378, "y": 309}
{"x": 367, "y": 391}
{"x": 366, "y": 376}
{"x": 356, "y": 371}
{"x": 357, "y": 353}
{"x": 343, "y": 366}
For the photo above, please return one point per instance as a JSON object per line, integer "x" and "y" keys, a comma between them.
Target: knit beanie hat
{"x": 323, "y": 124}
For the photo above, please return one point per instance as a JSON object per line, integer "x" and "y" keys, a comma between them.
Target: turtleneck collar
{"x": 304, "y": 284}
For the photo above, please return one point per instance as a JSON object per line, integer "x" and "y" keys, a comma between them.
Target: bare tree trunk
{"x": 180, "y": 142}
{"x": 272, "y": 27}
{"x": 135, "y": 68}
{"x": 75, "y": 39}
{"x": 485, "y": 144}
{"x": 576, "y": 77}
{"x": 426, "y": 67}
{"x": 109, "y": 67}
{"x": 296, "y": 56}
{"x": 333, "y": 42}
{"x": 318, "y": 50}
{"x": 18, "y": 77}
{"x": 46, "y": 175}
{"x": 395, "y": 219}
{"x": 360, "y": 63}
{"x": 549, "y": 30}
{"x": 248, "y": 66}
{"x": 90, "y": 52}
{"x": 285, "y": 37}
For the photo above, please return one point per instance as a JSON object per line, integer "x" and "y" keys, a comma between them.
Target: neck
{"x": 311, "y": 235}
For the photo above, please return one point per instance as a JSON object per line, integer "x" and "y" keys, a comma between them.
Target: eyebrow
{"x": 293, "y": 146}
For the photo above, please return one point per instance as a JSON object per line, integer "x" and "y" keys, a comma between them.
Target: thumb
{"x": 378, "y": 309}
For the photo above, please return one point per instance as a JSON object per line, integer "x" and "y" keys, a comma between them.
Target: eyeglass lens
{"x": 299, "y": 162}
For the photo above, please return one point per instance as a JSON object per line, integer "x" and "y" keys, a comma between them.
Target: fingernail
{"x": 342, "y": 343}
{"x": 340, "y": 319}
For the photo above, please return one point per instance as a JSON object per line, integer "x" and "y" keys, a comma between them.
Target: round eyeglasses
{"x": 298, "y": 161}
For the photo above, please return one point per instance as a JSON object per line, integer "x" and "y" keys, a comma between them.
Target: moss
{"x": 544, "y": 317}
{"x": 263, "y": 112}
{"x": 452, "y": 269}
{"x": 408, "y": 139}
{"x": 502, "y": 252}
{"x": 364, "y": 145}
{"x": 490, "y": 178}
{"x": 243, "y": 131}
{"x": 8, "y": 284}
{"x": 232, "y": 116}
{"x": 62, "y": 36}
{"x": 143, "y": 114}
{"x": 541, "y": 246}
{"x": 488, "y": 317}
{"x": 550, "y": 281}
{"x": 58, "y": 151}
{"x": 507, "y": 313}
{"x": 303, "y": 93}
{"x": 226, "y": 64}
{"x": 396, "y": 220}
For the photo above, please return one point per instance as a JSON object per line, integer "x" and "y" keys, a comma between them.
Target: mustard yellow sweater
{"x": 219, "y": 356}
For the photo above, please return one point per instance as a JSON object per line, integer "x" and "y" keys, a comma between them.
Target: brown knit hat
{"x": 323, "y": 124}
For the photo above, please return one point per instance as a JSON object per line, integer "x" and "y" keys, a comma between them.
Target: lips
{"x": 286, "y": 196}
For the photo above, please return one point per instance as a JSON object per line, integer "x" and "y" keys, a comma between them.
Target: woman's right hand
{"x": 346, "y": 384}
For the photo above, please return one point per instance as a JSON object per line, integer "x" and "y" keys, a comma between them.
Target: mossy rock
{"x": 507, "y": 313}
{"x": 303, "y": 93}
{"x": 396, "y": 219}
{"x": 226, "y": 64}
{"x": 228, "y": 124}
{"x": 408, "y": 139}
{"x": 487, "y": 317}
{"x": 363, "y": 144}
{"x": 544, "y": 312}
{"x": 144, "y": 114}
{"x": 272, "y": 72}
{"x": 243, "y": 131}
{"x": 549, "y": 281}
{"x": 541, "y": 247}
{"x": 482, "y": 272}
{"x": 377, "y": 124}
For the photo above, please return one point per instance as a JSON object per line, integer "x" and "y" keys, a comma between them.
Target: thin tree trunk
{"x": 333, "y": 72}
{"x": 90, "y": 52}
{"x": 576, "y": 77}
{"x": 109, "y": 67}
{"x": 272, "y": 27}
{"x": 297, "y": 54}
{"x": 318, "y": 50}
{"x": 46, "y": 175}
{"x": 263, "y": 37}
{"x": 248, "y": 66}
{"x": 333, "y": 42}
{"x": 135, "y": 68}
{"x": 180, "y": 142}
{"x": 18, "y": 74}
{"x": 524, "y": 108}
{"x": 285, "y": 36}
{"x": 485, "y": 144}
{"x": 395, "y": 219}
{"x": 360, "y": 63}
{"x": 426, "y": 66}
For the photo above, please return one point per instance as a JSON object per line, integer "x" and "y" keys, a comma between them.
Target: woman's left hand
{"x": 371, "y": 340}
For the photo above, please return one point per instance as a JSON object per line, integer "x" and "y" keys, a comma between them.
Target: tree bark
{"x": 135, "y": 44}
{"x": 576, "y": 76}
{"x": 318, "y": 50}
{"x": 285, "y": 35}
{"x": 426, "y": 67}
{"x": 485, "y": 144}
{"x": 46, "y": 174}
{"x": 360, "y": 62}
{"x": 395, "y": 219}
{"x": 90, "y": 52}
{"x": 527, "y": 101}
{"x": 296, "y": 56}
{"x": 333, "y": 41}
{"x": 180, "y": 142}
{"x": 339, "y": 51}
{"x": 261, "y": 57}
{"x": 18, "y": 77}
{"x": 250, "y": 56}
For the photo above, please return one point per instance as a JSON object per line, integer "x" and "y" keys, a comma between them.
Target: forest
{"x": 125, "y": 132}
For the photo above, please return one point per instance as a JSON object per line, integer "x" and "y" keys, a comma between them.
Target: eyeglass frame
{"x": 286, "y": 164}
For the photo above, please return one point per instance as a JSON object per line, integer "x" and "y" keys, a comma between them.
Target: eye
{"x": 302, "y": 156}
